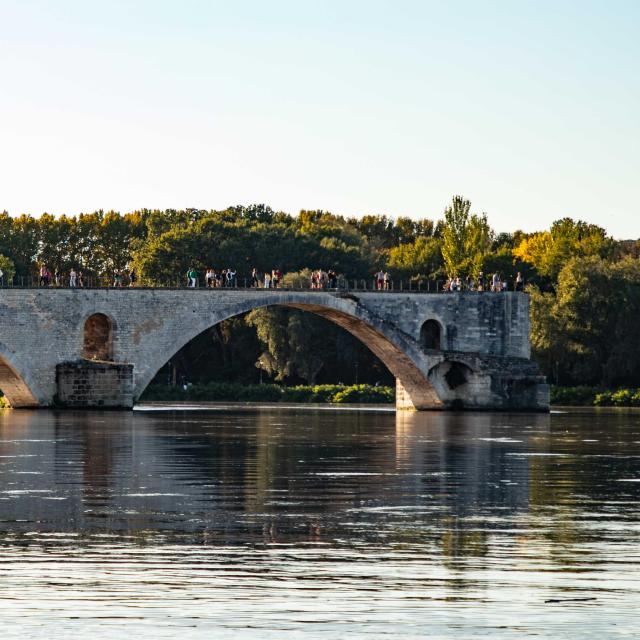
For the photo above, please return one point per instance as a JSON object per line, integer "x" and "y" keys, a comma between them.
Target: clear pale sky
{"x": 529, "y": 109}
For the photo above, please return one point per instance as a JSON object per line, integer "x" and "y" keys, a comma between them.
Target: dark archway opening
{"x": 275, "y": 345}
{"x": 457, "y": 375}
{"x": 413, "y": 388}
{"x": 430, "y": 335}
{"x": 98, "y": 338}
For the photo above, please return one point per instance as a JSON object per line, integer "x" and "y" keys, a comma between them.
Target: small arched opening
{"x": 430, "y": 335}
{"x": 98, "y": 338}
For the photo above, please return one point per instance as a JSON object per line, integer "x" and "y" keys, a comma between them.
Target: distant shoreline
{"x": 221, "y": 405}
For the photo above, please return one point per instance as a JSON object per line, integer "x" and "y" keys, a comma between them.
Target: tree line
{"x": 584, "y": 285}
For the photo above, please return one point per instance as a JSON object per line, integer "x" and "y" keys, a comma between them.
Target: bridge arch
{"x": 399, "y": 352}
{"x": 16, "y": 386}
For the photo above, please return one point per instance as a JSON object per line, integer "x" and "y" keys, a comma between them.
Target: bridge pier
{"x": 87, "y": 384}
{"x": 405, "y": 403}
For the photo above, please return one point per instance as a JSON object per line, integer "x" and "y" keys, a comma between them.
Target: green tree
{"x": 466, "y": 238}
{"x": 588, "y": 329}
{"x": 549, "y": 251}
{"x": 422, "y": 257}
{"x": 477, "y": 243}
{"x": 454, "y": 235}
{"x": 295, "y": 346}
{"x": 300, "y": 346}
{"x": 8, "y": 270}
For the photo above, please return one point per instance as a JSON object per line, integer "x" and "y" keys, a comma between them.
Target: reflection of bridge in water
{"x": 233, "y": 473}
{"x": 82, "y": 348}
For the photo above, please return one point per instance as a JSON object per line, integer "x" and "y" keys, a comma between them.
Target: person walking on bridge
{"x": 192, "y": 277}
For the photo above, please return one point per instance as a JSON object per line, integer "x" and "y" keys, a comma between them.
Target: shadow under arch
{"x": 416, "y": 386}
{"x": 13, "y": 384}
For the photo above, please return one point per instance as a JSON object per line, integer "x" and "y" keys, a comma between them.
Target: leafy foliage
{"x": 588, "y": 330}
{"x": 216, "y": 391}
{"x": 466, "y": 238}
{"x": 8, "y": 269}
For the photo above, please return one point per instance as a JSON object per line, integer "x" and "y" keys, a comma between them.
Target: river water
{"x": 272, "y": 523}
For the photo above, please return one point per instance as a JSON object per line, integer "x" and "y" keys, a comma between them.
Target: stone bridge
{"x": 102, "y": 347}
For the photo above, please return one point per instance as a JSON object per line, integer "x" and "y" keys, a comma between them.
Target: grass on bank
{"x": 582, "y": 396}
{"x": 227, "y": 391}
{"x": 595, "y": 397}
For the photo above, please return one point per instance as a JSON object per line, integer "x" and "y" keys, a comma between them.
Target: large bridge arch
{"x": 394, "y": 349}
{"x": 14, "y": 384}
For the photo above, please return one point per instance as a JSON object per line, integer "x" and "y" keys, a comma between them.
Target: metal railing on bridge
{"x": 291, "y": 284}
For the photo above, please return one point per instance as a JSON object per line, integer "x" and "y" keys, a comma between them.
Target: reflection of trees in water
{"x": 294, "y": 460}
{"x": 452, "y": 483}
{"x": 465, "y": 457}
{"x": 462, "y": 543}
{"x": 577, "y": 474}
{"x": 94, "y": 447}
{"x": 463, "y": 472}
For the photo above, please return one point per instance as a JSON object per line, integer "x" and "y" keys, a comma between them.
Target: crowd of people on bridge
{"x": 228, "y": 278}
{"x": 213, "y": 278}
{"x": 495, "y": 283}
{"x": 319, "y": 279}
{"x": 76, "y": 278}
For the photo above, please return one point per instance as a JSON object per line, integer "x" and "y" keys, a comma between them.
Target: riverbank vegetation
{"x": 583, "y": 396}
{"x": 230, "y": 392}
{"x": 584, "y": 285}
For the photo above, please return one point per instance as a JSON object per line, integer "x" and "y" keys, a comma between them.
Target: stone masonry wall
{"x": 94, "y": 384}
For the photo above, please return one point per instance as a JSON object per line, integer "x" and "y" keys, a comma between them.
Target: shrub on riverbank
{"x": 619, "y": 398}
{"x": 227, "y": 391}
{"x": 365, "y": 393}
{"x": 574, "y": 396}
{"x": 595, "y": 396}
